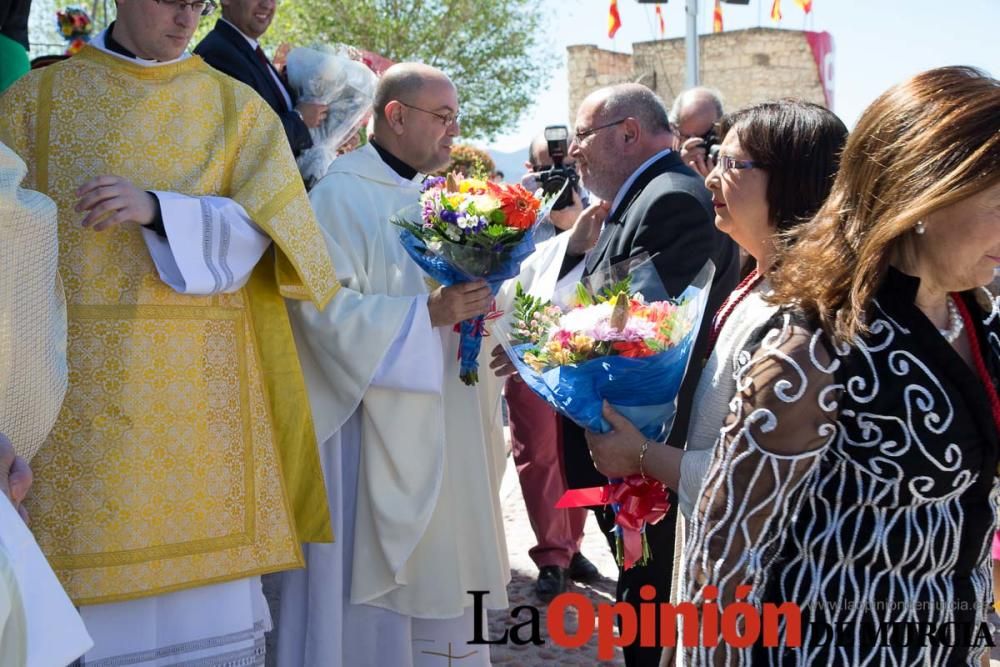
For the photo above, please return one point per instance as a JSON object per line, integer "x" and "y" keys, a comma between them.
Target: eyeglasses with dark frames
{"x": 200, "y": 7}
{"x": 446, "y": 119}
{"x": 583, "y": 134}
{"x": 727, "y": 162}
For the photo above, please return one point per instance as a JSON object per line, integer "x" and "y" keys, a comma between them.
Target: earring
{"x": 920, "y": 228}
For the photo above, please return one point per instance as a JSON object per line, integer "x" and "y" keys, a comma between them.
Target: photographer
{"x": 693, "y": 119}
{"x": 534, "y": 427}
{"x": 550, "y": 174}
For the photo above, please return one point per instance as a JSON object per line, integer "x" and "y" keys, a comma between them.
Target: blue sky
{"x": 877, "y": 43}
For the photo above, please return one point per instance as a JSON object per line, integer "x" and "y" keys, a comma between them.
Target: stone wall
{"x": 747, "y": 66}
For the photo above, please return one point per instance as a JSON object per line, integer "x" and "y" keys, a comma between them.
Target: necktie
{"x": 266, "y": 64}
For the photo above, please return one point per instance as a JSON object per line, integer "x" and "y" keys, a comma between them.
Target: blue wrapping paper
{"x": 450, "y": 263}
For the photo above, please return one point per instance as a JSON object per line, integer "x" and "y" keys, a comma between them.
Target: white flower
{"x": 586, "y": 318}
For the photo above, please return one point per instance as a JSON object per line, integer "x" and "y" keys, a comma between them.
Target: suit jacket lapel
{"x": 600, "y": 248}
{"x": 243, "y": 46}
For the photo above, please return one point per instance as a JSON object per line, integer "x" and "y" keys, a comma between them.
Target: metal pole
{"x": 692, "y": 71}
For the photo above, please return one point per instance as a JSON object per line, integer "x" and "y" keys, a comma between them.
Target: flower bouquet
{"x": 75, "y": 26}
{"x": 613, "y": 344}
{"x": 469, "y": 228}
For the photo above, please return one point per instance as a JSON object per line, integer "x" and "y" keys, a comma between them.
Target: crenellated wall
{"x": 747, "y": 66}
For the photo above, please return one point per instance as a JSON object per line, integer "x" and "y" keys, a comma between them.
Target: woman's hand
{"x": 616, "y": 453}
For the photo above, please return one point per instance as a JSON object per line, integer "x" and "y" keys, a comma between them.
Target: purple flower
{"x": 432, "y": 182}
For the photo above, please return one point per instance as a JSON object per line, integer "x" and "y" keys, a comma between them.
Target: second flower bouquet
{"x": 611, "y": 343}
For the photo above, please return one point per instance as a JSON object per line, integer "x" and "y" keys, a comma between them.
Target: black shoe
{"x": 582, "y": 570}
{"x": 551, "y": 582}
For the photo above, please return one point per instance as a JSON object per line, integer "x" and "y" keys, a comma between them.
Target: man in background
{"x": 693, "y": 117}
{"x": 232, "y": 47}
{"x": 535, "y": 432}
{"x": 623, "y": 149}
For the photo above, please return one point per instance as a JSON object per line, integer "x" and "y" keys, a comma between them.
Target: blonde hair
{"x": 924, "y": 144}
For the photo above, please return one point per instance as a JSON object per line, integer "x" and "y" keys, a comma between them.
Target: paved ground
{"x": 521, "y": 592}
{"x": 520, "y": 538}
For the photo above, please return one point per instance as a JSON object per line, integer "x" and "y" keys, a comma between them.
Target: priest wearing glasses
{"x": 172, "y": 479}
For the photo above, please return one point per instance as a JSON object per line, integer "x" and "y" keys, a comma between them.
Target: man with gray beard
{"x": 659, "y": 206}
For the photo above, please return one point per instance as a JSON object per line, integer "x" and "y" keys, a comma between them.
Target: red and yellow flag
{"x": 614, "y": 20}
{"x": 659, "y": 16}
{"x": 776, "y": 11}
{"x": 806, "y": 5}
{"x": 717, "y": 17}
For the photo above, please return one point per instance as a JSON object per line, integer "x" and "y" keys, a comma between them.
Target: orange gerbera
{"x": 519, "y": 205}
{"x": 633, "y": 349}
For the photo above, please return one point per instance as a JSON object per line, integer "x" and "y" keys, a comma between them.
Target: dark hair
{"x": 923, "y": 145}
{"x": 799, "y": 144}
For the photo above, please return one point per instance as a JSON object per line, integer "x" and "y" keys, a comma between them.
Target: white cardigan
{"x": 715, "y": 390}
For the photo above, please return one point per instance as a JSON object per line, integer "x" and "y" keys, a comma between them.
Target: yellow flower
{"x": 455, "y": 200}
{"x": 472, "y": 184}
{"x": 581, "y": 344}
{"x": 552, "y": 347}
{"x": 537, "y": 364}
{"x": 562, "y": 357}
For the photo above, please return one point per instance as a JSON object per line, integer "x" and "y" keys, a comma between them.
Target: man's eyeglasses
{"x": 726, "y": 163}
{"x": 446, "y": 118}
{"x": 583, "y": 134}
{"x": 201, "y": 7}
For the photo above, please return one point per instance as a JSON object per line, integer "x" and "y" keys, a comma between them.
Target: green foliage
{"x": 493, "y": 50}
{"x": 532, "y": 317}
{"x": 622, "y": 287}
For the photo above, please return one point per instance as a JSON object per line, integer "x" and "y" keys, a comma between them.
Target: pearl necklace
{"x": 955, "y": 323}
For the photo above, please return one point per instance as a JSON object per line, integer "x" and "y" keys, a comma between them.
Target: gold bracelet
{"x": 642, "y": 455}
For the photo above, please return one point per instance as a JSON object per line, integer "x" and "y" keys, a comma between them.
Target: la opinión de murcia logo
{"x": 739, "y": 624}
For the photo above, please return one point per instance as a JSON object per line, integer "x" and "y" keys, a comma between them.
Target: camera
{"x": 560, "y": 177}
{"x": 711, "y": 144}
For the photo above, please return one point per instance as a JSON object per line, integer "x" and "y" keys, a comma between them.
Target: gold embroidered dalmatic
{"x": 184, "y": 453}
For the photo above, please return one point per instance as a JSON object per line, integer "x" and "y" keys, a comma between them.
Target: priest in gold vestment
{"x": 183, "y": 464}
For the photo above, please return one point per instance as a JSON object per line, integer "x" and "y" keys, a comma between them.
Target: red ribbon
{"x": 480, "y": 329}
{"x": 640, "y": 502}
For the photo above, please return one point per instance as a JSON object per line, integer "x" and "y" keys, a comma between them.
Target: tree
{"x": 491, "y": 49}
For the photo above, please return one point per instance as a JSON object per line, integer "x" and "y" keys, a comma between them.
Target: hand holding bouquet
{"x": 470, "y": 228}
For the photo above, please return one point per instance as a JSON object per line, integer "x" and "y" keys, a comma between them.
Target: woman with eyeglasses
{"x": 776, "y": 164}
{"x": 855, "y": 476}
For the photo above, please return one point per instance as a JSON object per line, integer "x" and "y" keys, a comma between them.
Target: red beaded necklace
{"x": 979, "y": 362}
{"x": 745, "y": 287}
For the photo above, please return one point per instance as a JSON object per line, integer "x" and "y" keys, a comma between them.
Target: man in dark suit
{"x": 232, "y": 47}
{"x": 660, "y": 207}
